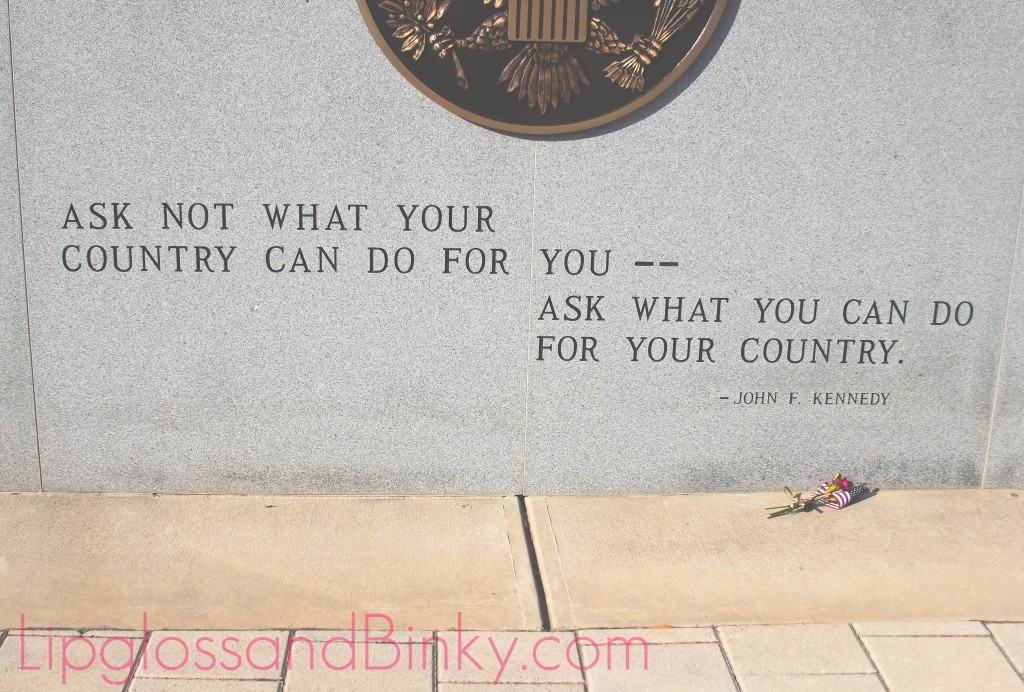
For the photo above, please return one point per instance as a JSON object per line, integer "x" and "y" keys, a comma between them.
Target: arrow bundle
{"x": 672, "y": 16}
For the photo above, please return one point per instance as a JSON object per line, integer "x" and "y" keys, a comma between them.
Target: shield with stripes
{"x": 548, "y": 21}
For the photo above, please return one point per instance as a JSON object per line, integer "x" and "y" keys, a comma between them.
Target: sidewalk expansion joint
{"x": 135, "y": 663}
{"x": 995, "y": 640}
{"x": 871, "y": 660}
{"x": 538, "y": 578}
{"x": 725, "y": 657}
{"x": 286, "y": 663}
{"x": 434, "y": 675}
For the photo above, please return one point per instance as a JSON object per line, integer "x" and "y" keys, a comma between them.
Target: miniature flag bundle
{"x": 835, "y": 494}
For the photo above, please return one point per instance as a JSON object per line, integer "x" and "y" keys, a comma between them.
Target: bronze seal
{"x": 542, "y": 66}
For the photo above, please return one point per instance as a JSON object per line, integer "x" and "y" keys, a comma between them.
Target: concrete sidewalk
{"x": 724, "y": 596}
{"x": 716, "y": 559}
{"x": 252, "y": 562}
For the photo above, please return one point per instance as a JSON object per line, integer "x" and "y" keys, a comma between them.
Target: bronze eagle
{"x": 543, "y": 73}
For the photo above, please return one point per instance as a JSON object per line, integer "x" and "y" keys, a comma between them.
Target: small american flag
{"x": 838, "y": 498}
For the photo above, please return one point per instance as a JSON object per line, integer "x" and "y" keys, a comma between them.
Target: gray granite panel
{"x": 19, "y": 456}
{"x": 838, "y": 151}
{"x": 1005, "y": 465}
{"x": 252, "y": 380}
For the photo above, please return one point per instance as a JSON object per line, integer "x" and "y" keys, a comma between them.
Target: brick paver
{"x": 529, "y": 657}
{"x": 766, "y": 657}
{"x": 962, "y": 628}
{"x": 1010, "y": 637}
{"x": 65, "y": 661}
{"x": 214, "y": 655}
{"x": 910, "y": 664}
{"x": 671, "y": 667}
{"x": 376, "y": 668}
{"x": 528, "y": 687}
{"x": 207, "y": 685}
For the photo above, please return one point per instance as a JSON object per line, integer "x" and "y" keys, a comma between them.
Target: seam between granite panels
{"x": 24, "y": 258}
{"x": 1002, "y": 341}
{"x": 529, "y": 325}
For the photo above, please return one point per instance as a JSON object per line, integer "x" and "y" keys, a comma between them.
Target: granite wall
{"x": 797, "y": 261}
